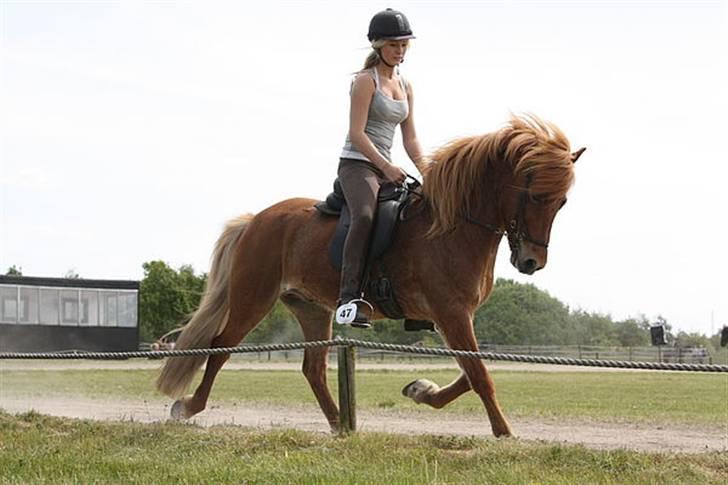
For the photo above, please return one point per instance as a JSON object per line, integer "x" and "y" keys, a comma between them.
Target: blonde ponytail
{"x": 373, "y": 58}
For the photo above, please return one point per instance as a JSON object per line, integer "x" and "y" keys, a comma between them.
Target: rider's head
{"x": 389, "y": 33}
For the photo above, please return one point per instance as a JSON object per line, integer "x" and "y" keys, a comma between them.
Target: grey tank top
{"x": 384, "y": 115}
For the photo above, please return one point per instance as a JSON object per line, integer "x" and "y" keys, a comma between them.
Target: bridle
{"x": 517, "y": 227}
{"x": 517, "y": 230}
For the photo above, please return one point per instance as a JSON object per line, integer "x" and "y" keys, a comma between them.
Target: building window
{"x": 108, "y": 309}
{"x": 49, "y": 306}
{"x": 70, "y": 310}
{"x": 89, "y": 308}
{"x": 8, "y": 304}
{"x": 69, "y": 307}
{"x": 127, "y": 309}
{"x": 28, "y": 305}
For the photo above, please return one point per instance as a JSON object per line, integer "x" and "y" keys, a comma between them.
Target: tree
{"x": 521, "y": 314}
{"x": 72, "y": 274}
{"x": 633, "y": 332}
{"x": 693, "y": 339}
{"x": 167, "y": 297}
{"x": 14, "y": 271}
{"x": 593, "y": 328}
{"x": 279, "y": 326}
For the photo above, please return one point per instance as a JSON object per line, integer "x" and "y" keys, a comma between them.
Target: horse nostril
{"x": 529, "y": 266}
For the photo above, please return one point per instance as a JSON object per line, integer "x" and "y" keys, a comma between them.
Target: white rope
{"x": 347, "y": 342}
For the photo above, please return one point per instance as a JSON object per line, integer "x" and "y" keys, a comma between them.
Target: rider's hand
{"x": 394, "y": 174}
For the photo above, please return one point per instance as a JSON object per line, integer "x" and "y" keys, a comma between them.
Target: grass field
{"x": 689, "y": 398}
{"x": 41, "y": 449}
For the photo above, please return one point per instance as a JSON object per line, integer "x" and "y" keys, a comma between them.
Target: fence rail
{"x": 393, "y": 348}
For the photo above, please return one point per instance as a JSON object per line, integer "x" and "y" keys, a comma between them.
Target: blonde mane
{"x": 527, "y": 144}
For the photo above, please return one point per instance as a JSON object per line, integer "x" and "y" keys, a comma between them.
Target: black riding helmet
{"x": 390, "y": 25}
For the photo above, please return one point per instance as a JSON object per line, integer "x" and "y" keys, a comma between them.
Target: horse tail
{"x": 210, "y": 318}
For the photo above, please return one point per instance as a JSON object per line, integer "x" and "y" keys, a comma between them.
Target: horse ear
{"x": 575, "y": 156}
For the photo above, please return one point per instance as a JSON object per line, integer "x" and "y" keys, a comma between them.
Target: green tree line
{"x": 515, "y": 314}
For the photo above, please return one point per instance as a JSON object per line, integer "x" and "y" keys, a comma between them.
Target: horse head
{"x": 511, "y": 182}
{"x": 542, "y": 173}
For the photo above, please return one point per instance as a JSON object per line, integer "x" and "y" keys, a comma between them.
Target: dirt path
{"x": 591, "y": 434}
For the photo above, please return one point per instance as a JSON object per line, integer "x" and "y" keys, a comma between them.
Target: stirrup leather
{"x": 353, "y": 314}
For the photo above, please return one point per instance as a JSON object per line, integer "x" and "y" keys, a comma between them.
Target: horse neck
{"x": 487, "y": 203}
{"x": 479, "y": 244}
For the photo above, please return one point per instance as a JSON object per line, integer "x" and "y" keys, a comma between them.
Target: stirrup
{"x": 350, "y": 314}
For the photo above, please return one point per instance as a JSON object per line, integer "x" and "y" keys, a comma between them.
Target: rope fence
{"x": 353, "y": 343}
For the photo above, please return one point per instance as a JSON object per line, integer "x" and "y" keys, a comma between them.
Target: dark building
{"x": 50, "y": 314}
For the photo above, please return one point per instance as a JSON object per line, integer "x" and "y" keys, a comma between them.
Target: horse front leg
{"x": 424, "y": 391}
{"x": 459, "y": 335}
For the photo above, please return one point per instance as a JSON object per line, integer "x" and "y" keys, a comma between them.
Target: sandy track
{"x": 665, "y": 438}
{"x": 593, "y": 434}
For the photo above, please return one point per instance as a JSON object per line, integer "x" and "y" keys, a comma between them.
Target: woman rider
{"x": 380, "y": 100}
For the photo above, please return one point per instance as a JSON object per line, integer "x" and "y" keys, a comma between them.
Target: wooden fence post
{"x": 347, "y": 391}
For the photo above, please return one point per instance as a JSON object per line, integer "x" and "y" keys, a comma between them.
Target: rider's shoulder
{"x": 364, "y": 79}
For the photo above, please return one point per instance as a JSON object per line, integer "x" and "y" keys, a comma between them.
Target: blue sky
{"x": 132, "y": 131}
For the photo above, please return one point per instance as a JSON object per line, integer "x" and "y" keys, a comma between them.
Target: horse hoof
{"x": 415, "y": 390}
{"x": 178, "y": 412}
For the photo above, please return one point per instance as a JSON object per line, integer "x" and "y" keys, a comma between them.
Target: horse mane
{"x": 527, "y": 145}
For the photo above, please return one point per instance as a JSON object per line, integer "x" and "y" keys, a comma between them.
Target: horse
{"x": 476, "y": 189}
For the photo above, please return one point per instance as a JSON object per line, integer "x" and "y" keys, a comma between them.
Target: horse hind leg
{"x": 315, "y": 322}
{"x": 251, "y": 302}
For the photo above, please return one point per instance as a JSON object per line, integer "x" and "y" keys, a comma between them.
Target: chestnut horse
{"x": 511, "y": 182}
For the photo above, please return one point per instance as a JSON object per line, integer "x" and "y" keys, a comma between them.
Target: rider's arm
{"x": 409, "y": 136}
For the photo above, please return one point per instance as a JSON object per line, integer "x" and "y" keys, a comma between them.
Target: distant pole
{"x": 347, "y": 392}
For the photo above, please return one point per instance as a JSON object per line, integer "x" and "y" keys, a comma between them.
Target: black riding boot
{"x": 352, "y": 309}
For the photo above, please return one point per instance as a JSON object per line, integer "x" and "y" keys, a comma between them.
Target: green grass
{"x": 655, "y": 397}
{"x": 41, "y": 449}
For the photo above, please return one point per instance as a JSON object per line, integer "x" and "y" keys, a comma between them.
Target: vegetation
{"x": 515, "y": 314}
{"x": 42, "y": 449}
{"x": 14, "y": 271}
{"x": 167, "y": 297}
{"x": 655, "y": 397}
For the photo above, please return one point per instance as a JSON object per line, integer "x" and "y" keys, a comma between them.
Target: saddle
{"x": 392, "y": 200}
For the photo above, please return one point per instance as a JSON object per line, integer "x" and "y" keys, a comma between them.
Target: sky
{"x": 131, "y": 131}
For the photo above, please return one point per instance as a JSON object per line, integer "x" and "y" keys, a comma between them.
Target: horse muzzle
{"x": 527, "y": 260}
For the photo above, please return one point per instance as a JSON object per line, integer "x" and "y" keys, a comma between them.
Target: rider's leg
{"x": 361, "y": 187}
